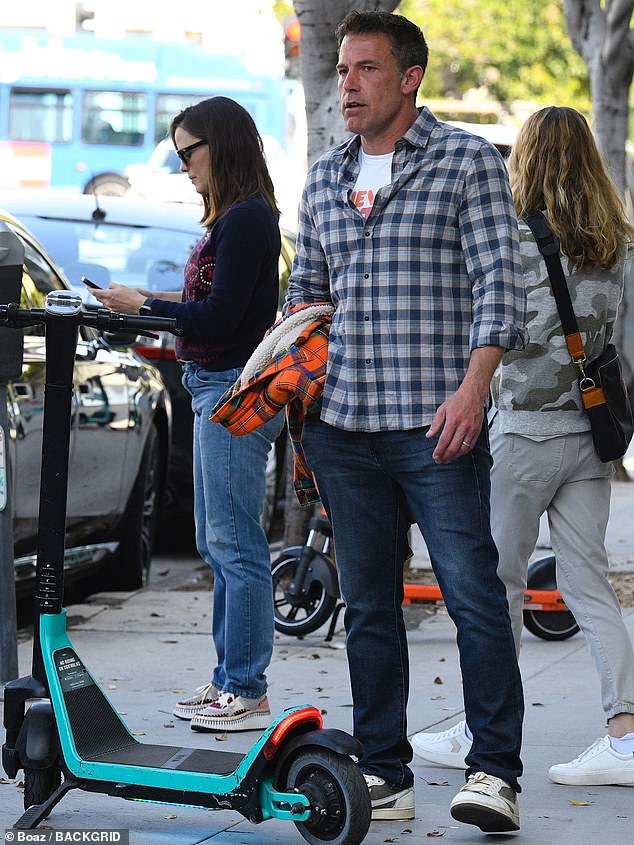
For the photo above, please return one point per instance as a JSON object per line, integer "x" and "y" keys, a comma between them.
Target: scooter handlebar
{"x": 114, "y": 321}
{"x": 98, "y": 318}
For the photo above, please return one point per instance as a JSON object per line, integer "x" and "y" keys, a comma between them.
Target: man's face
{"x": 370, "y": 86}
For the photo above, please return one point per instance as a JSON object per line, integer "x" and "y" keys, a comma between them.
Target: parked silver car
{"x": 143, "y": 244}
{"x": 119, "y": 451}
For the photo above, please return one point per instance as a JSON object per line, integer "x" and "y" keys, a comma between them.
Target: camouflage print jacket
{"x": 536, "y": 390}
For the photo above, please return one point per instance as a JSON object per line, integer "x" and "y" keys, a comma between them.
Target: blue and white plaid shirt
{"x": 433, "y": 273}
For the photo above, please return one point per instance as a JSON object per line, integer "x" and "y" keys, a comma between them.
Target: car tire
{"x": 108, "y": 185}
{"x": 131, "y": 567}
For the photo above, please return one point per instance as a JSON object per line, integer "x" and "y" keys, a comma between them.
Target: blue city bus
{"x": 76, "y": 110}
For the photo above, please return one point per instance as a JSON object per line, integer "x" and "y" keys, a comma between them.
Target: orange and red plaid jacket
{"x": 293, "y": 379}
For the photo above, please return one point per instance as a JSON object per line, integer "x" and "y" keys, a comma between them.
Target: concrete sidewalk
{"x": 146, "y": 647}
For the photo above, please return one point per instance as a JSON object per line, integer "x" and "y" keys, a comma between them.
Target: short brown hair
{"x": 408, "y": 42}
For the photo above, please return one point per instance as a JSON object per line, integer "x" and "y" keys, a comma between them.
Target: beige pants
{"x": 563, "y": 477}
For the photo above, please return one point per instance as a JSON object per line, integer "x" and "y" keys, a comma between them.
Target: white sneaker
{"x": 598, "y": 765}
{"x": 487, "y": 802}
{"x": 389, "y": 803}
{"x": 448, "y": 748}
{"x": 231, "y": 712}
{"x": 197, "y": 701}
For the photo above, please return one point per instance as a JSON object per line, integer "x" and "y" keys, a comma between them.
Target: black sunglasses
{"x": 185, "y": 153}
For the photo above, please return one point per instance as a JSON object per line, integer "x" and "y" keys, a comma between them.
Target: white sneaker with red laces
{"x": 197, "y": 701}
{"x": 231, "y": 712}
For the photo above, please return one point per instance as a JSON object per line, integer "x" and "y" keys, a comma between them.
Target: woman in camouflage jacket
{"x": 544, "y": 458}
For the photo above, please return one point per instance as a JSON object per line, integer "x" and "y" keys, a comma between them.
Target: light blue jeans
{"x": 229, "y": 488}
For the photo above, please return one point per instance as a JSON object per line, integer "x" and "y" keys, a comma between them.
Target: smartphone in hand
{"x": 90, "y": 284}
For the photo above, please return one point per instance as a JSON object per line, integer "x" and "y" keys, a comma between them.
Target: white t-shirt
{"x": 374, "y": 173}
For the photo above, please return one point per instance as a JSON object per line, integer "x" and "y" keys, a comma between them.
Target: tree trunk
{"x": 610, "y": 110}
{"x": 318, "y": 60}
{"x": 600, "y": 32}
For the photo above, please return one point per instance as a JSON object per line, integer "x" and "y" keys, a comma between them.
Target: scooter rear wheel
{"x": 40, "y": 784}
{"x": 547, "y": 624}
{"x": 299, "y": 615}
{"x": 338, "y": 795}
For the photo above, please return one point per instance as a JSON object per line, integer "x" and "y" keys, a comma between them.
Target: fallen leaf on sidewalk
{"x": 436, "y": 782}
{"x": 438, "y": 680}
{"x": 436, "y": 833}
{"x": 221, "y": 738}
{"x": 580, "y": 803}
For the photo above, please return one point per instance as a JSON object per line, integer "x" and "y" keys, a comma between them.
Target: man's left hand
{"x": 459, "y": 419}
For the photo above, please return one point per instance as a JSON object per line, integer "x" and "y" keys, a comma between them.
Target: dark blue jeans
{"x": 370, "y": 483}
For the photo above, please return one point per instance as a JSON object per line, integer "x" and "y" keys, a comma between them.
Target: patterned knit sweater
{"x": 231, "y": 289}
{"x": 536, "y": 390}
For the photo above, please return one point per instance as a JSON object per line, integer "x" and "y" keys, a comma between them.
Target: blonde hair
{"x": 555, "y": 166}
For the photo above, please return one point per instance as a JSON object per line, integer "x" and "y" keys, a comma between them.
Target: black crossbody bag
{"x": 603, "y": 391}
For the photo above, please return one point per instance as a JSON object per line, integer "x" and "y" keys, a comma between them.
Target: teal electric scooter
{"x": 71, "y": 737}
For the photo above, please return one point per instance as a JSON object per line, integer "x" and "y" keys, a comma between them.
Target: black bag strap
{"x": 548, "y": 245}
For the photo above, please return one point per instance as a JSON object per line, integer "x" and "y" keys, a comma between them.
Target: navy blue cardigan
{"x": 231, "y": 289}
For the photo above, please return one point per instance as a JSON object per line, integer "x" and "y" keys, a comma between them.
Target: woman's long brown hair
{"x": 238, "y": 168}
{"x": 555, "y": 166}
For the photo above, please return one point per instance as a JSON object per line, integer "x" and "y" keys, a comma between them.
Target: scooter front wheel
{"x": 40, "y": 784}
{"x": 547, "y": 624}
{"x": 338, "y": 795}
{"x": 298, "y": 615}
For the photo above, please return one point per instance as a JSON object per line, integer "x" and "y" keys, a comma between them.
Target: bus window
{"x": 168, "y": 105}
{"x": 40, "y": 115}
{"x": 114, "y": 117}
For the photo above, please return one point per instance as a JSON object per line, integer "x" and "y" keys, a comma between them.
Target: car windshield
{"x": 137, "y": 256}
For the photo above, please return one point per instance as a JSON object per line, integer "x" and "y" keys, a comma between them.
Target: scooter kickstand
{"x": 38, "y": 812}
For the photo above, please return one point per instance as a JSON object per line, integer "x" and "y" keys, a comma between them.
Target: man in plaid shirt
{"x": 409, "y": 228}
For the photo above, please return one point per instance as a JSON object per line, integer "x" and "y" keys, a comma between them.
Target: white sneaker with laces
{"x": 229, "y": 712}
{"x": 598, "y": 765}
{"x": 488, "y": 802}
{"x": 447, "y": 748}
{"x": 197, "y": 701}
{"x": 389, "y": 803}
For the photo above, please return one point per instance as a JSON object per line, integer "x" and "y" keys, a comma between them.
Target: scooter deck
{"x": 101, "y": 736}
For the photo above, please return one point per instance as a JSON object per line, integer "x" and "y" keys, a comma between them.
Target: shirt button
{"x": 368, "y": 360}
{"x": 366, "y": 275}
{"x": 366, "y": 317}
{"x": 367, "y": 234}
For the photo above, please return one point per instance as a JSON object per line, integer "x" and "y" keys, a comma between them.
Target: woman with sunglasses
{"x": 229, "y": 300}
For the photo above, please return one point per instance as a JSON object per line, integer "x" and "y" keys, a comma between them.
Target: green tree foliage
{"x": 509, "y": 49}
